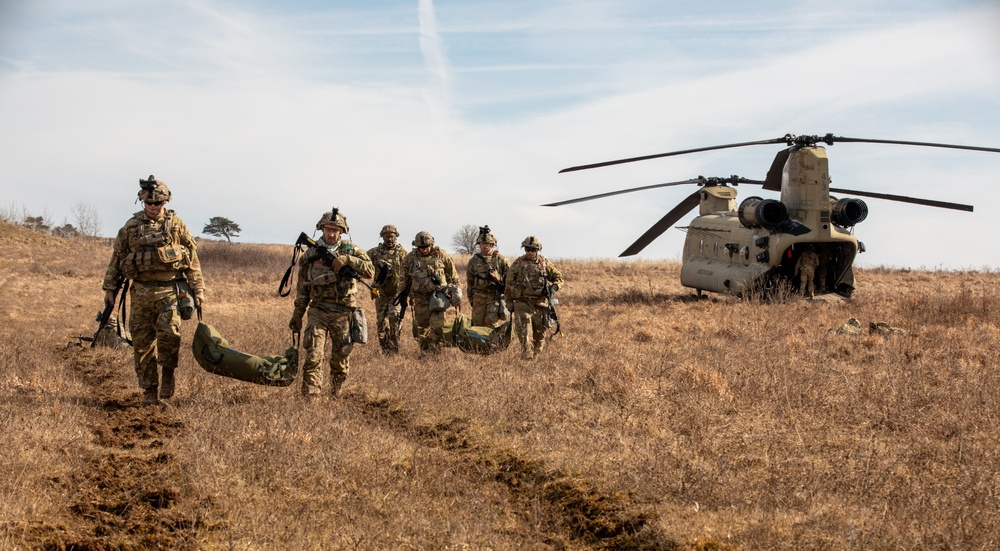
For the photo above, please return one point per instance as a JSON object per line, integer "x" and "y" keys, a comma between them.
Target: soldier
{"x": 529, "y": 279}
{"x": 485, "y": 279}
{"x": 326, "y": 287}
{"x": 806, "y": 268}
{"x": 388, "y": 259}
{"x": 155, "y": 249}
{"x": 429, "y": 270}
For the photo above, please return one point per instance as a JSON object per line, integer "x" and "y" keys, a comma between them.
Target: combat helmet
{"x": 423, "y": 239}
{"x": 486, "y": 236}
{"x": 388, "y": 228}
{"x": 335, "y": 218}
{"x": 153, "y": 190}
{"x": 531, "y": 242}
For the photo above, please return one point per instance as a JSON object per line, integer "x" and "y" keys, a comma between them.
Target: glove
{"x": 199, "y": 297}
{"x": 554, "y": 287}
{"x": 109, "y": 298}
{"x": 296, "y": 324}
{"x": 339, "y": 263}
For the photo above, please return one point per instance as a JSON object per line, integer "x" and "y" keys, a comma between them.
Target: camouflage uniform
{"x": 425, "y": 274}
{"x": 806, "y": 267}
{"x": 386, "y": 311}
{"x": 156, "y": 254}
{"x": 484, "y": 285}
{"x": 525, "y": 292}
{"x": 330, "y": 300}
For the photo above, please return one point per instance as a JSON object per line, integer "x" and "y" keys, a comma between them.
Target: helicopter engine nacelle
{"x": 755, "y": 212}
{"x": 849, "y": 212}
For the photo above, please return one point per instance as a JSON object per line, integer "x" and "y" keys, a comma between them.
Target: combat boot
{"x": 149, "y": 397}
{"x": 336, "y": 381}
{"x": 167, "y": 383}
{"x": 311, "y": 391}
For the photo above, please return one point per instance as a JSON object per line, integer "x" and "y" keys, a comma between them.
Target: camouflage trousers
{"x": 485, "y": 308}
{"x": 156, "y": 331}
{"x": 530, "y": 315}
{"x": 806, "y": 285}
{"x": 322, "y": 326}
{"x": 387, "y": 315}
{"x": 429, "y": 330}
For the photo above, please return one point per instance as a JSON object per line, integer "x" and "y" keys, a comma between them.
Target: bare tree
{"x": 464, "y": 240}
{"x": 88, "y": 222}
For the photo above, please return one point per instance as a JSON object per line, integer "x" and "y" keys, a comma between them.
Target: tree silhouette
{"x": 464, "y": 240}
{"x": 220, "y": 226}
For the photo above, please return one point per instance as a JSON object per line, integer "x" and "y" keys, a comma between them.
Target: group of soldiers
{"x": 157, "y": 252}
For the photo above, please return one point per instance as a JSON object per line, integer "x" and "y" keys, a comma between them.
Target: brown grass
{"x": 660, "y": 421}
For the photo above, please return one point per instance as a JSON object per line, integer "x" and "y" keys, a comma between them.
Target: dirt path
{"x": 132, "y": 494}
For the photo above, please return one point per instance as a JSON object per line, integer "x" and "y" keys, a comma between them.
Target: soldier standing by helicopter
{"x": 388, "y": 259}
{"x": 806, "y": 268}
{"x": 485, "y": 276}
{"x": 530, "y": 282}
{"x": 327, "y": 288}
{"x": 157, "y": 252}
{"x": 429, "y": 272}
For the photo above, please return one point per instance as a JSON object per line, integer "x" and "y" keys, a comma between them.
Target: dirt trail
{"x": 132, "y": 494}
{"x": 572, "y": 511}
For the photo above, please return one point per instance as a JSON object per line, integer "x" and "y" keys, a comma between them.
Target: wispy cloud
{"x": 435, "y": 58}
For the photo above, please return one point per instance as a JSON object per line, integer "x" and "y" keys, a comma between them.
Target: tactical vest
{"x": 527, "y": 279}
{"x": 153, "y": 247}
{"x": 394, "y": 258}
{"x": 324, "y": 284}
{"x": 480, "y": 268}
{"x": 425, "y": 269}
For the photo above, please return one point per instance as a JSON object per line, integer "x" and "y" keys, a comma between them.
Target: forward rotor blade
{"x": 619, "y": 192}
{"x": 903, "y": 199}
{"x": 672, "y": 153}
{"x": 924, "y": 144}
{"x": 675, "y": 214}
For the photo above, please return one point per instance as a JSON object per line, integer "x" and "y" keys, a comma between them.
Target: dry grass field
{"x": 659, "y": 421}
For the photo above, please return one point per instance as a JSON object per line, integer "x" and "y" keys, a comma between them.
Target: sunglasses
{"x": 155, "y": 203}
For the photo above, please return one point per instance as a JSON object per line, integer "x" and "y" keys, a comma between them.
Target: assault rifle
{"x": 326, "y": 257}
{"x": 401, "y": 300}
{"x": 552, "y": 314}
{"x": 121, "y": 286}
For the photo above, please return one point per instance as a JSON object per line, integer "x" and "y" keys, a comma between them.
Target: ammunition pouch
{"x": 185, "y": 300}
{"x": 359, "y": 326}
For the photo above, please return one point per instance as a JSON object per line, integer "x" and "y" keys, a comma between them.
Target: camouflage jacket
{"x": 485, "y": 275}
{"x": 527, "y": 279}
{"x": 149, "y": 250}
{"x": 393, "y": 257}
{"x": 422, "y": 271}
{"x": 319, "y": 286}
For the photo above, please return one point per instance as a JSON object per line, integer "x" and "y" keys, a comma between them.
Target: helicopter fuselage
{"x": 734, "y": 250}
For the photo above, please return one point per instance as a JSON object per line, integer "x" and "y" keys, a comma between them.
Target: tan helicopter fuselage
{"x": 732, "y": 249}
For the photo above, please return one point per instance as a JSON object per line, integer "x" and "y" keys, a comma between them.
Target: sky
{"x": 435, "y": 114}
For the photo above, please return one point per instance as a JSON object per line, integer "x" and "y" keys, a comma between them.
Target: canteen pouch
{"x": 359, "y": 326}
{"x": 440, "y": 300}
{"x": 185, "y": 302}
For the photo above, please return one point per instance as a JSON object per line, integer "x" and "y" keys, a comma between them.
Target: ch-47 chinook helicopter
{"x": 755, "y": 246}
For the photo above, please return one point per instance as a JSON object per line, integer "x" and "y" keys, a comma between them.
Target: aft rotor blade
{"x": 672, "y": 153}
{"x": 924, "y": 144}
{"x": 619, "y": 192}
{"x": 772, "y": 182}
{"x": 675, "y": 214}
{"x": 903, "y": 199}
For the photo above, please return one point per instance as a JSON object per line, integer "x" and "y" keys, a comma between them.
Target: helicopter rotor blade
{"x": 675, "y": 214}
{"x": 903, "y": 199}
{"x": 672, "y": 153}
{"x": 772, "y": 182}
{"x": 924, "y": 144}
{"x": 621, "y": 191}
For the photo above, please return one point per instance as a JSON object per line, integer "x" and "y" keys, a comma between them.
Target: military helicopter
{"x": 755, "y": 246}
